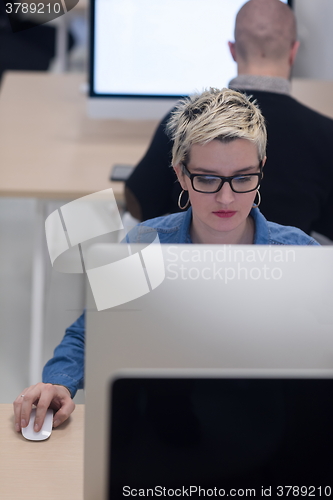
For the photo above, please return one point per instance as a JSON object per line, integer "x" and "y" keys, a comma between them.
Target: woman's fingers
{"x": 64, "y": 412}
{"x": 44, "y": 396}
{"x": 23, "y": 404}
{"x": 17, "y": 410}
{"x": 56, "y": 396}
{"x": 48, "y": 393}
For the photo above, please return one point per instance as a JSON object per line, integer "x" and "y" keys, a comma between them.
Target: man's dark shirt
{"x": 297, "y": 189}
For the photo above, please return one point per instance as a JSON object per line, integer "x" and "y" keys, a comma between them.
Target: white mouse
{"x": 45, "y": 432}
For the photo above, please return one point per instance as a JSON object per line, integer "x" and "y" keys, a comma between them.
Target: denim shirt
{"x": 175, "y": 228}
{"x": 67, "y": 365}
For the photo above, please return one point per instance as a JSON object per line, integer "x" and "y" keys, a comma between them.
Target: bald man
{"x": 297, "y": 189}
{"x": 266, "y": 39}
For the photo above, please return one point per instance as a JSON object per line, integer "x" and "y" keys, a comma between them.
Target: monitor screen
{"x": 169, "y": 48}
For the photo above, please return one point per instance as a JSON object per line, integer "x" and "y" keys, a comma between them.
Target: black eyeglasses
{"x": 245, "y": 183}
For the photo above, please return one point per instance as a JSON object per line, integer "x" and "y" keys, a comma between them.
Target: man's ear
{"x": 293, "y": 52}
{"x": 232, "y": 48}
{"x": 180, "y": 176}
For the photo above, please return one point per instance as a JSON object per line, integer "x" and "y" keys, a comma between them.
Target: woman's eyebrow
{"x": 211, "y": 172}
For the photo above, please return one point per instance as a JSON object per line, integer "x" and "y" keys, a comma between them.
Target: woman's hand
{"x": 44, "y": 396}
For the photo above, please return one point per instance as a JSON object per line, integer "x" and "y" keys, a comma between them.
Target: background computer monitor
{"x": 219, "y": 309}
{"x": 144, "y": 54}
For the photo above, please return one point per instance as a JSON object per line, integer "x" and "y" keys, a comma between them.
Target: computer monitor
{"x": 146, "y": 54}
{"x": 218, "y": 309}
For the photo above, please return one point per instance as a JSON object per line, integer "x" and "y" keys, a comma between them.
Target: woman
{"x": 218, "y": 156}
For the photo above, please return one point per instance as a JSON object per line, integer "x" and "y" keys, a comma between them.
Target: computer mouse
{"x": 46, "y": 430}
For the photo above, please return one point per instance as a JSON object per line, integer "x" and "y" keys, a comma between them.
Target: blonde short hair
{"x": 224, "y": 115}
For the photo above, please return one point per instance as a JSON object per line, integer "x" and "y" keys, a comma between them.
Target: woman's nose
{"x": 226, "y": 194}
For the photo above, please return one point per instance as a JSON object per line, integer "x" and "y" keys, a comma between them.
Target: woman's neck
{"x": 243, "y": 235}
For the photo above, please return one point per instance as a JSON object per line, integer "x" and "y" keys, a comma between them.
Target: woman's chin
{"x": 224, "y": 222}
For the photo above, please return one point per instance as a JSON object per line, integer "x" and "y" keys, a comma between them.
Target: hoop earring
{"x": 179, "y": 201}
{"x": 256, "y": 205}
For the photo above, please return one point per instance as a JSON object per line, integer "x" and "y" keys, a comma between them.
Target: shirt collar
{"x": 274, "y": 84}
{"x": 262, "y": 235}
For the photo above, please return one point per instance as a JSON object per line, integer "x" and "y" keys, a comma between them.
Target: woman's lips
{"x": 224, "y": 213}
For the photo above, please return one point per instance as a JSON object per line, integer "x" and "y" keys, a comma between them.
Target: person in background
{"x": 219, "y": 154}
{"x": 25, "y": 44}
{"x": 298, "y": 185}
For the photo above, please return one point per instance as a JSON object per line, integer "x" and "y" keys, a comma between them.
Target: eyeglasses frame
{"x": 223, "y": 180}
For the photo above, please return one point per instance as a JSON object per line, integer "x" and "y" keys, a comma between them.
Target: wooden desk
{"x": 45, "y": 470}
{"x": 49, "y": 148}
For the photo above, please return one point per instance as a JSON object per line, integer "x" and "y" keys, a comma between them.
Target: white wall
{"x": 315, "y": 32}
